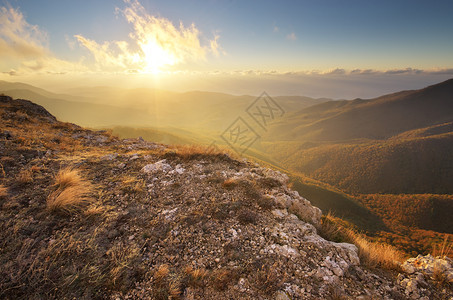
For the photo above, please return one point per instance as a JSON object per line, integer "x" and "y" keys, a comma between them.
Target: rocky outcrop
{"x": 165, "y": 222}
{"x": 422, "y": 272}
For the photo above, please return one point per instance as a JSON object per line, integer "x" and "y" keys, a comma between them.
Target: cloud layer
{"x": 155, "y": 43}
{"x": 158, "y": 41}
{"x": 18, "y": 39}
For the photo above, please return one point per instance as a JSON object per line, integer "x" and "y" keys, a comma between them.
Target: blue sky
{"x": 258, "y": 36}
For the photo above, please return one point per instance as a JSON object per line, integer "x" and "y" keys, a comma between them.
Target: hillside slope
{"x": 378, "y": 118}
{"x": 87, "y": 215}
{"x": 398, "y": 143}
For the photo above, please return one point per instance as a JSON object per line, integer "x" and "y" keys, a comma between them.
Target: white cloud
{"x": 155, "y": 43}
{"x": 160, "y": 43}
{"x": 24, "y": 47}
{"x": 18, "y": 39}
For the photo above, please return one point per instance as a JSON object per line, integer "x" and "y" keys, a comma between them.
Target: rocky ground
{"x": 168, "y": 222}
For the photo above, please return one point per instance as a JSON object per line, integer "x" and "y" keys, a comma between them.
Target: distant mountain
{"x": 398, "y": 143}
{"x": 378, "y": 118}
{"x": 88, "y": 114}
{"x": 197, "y": 111}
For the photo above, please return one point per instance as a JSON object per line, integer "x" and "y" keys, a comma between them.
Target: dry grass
{"x": 166, "y": 285}
{"x": 72, "y": 192}
{"x": 444, "y": 250}
{"x": 25, "y": 176}
{"x": 132, "y": 185}
{"x": 331, "y": 230}
{"x": 161, "y": 274}
{"x": 94, "y": 211}
{"x": 196, "y": 277}
{"x": 122, "y": 258}
{"x": 230, "y": 183}
{"x": 3, "y": 191}
{"x": 221, "y": 278}
{"x": 439, "y": 276}
{"x": 371, "y": 254}
{"x": 268, "y": 278}
{"x": 193, "y": 151}
{"x": 375, "y": 254}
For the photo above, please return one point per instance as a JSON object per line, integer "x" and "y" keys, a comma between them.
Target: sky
{"x": 318, "y": 48}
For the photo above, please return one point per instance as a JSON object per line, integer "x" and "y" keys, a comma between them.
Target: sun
{"x": 156, "y": 57}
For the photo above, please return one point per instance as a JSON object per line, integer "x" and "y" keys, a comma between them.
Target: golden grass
{"x": 371, "y": 254}
{"x": 132, "y": 184}
{"x": 191, "y": 151}
{"x": 444, "y": 250}
{"x": 221, "y": 278}
{"x": 94, "y": 211}
{"x": 72, "y": 191}
{"x": 161, "y": 273}
{"x": 67, "y": 177}
{"x": 230, "y": 183}
{"x": 122, "y": 258}
{"x": 25, "y": 176}
{"x": 196, "y": 277}
{"x": 375, "y": 254}
{"x": 3, "y": 191}
{"x": 269, "y": 279}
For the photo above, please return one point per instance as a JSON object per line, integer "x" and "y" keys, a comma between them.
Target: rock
{"x": 169, "y": 213}
{"x": 351, "y": 251}
{"x": 280, "y": 213}
{"x": 161, "y": 165}
{"x": 134, "y": 157}
{"x": 408, "y": 268}
{"x": 178, "y": 169}
{"x": 281, "y": 177}
{"x": 286, "y": 251}
{"x": 281, "y": 295}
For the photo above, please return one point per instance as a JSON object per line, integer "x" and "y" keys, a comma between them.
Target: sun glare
{"x": 156, "y": 58}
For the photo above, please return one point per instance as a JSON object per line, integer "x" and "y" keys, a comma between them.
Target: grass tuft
{"x": 375, "y": 254}
{"x": 25, "y": 176}
{"x": 72, "y": 192}
{"x": 221, "y": 278}
{"x": 371, "y": 254}
{"x": 230, "y": 183}
{"x": 196, "y": 277}
{"x": 444, "y": 250}
{"x": 3, "y": 191}
{"x": 269, "y": 279}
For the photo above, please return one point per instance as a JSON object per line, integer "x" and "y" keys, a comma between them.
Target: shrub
{"x": 72, "y": 192}
{"x": 266, "y": 202}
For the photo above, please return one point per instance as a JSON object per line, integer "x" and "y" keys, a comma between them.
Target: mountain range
{"x": 374, "y": 162}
